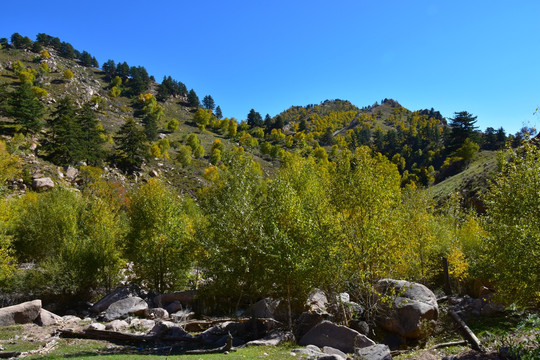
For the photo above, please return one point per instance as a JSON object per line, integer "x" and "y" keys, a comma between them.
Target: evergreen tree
{"x": 462, "y": 128}
{"x": 64, "y": 146}
{"x": 91, "y": 133}
{"x": 26, "y": 109}
{"x": 254, "y": 119}
{"x": 208, "y": 102}
{"x": 131, "y": 148}
{"x": 219, "y": 114}
{"x": 109, "y": 67}
{"x": 193, "y": 99}
{"x": 86, "y": 59}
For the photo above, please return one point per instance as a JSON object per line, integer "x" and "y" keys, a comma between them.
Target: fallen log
{"x": 9, "y": 354}
{"x": 119, "y": 336}
{"x": 467, "y": 333}
{"x": 225, "y": 348}
{"x": 448, "y": 344}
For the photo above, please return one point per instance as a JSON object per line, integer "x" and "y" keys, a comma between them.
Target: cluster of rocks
{"x": 167, "y": 317}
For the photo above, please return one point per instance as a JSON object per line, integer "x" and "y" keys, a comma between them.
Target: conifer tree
{"x": 64, "y": 146}
{"x": 91, "y": 139}
{"x": 25, "y": 108}
{"x": 219, "y": 114}
{"x": 208, "y": 102}
{"x": 130, "y": 146}
{"x": 193, "y": 99}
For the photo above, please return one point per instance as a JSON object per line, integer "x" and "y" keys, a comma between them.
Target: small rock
{"x": 116, "y": 325}
{"x": 373, "y": 352}
{"x": 42, "y": 184}
{"x": 96, "y": 326}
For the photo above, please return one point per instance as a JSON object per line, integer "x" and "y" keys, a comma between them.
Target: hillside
{"x": 415, "y": 141}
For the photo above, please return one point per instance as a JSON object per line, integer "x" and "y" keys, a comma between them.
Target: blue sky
{"x": 478, "y": 56}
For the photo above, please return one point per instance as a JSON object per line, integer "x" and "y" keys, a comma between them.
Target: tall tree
{"x": 208, "y": 102}
{"x": 462, "y": 125}
{"x": 254, "y": 119}
{"x": 193, "y": 99}
{"x": 219, "y": 114}
{"x": 131, "y": 146}
{"x": 91, "y": 135}
{"x": 64, "y": 146}
{"x": 25, "y": 108}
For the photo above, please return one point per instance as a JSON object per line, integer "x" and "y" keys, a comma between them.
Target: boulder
{"x": 174, "y": 307}
{"x": 23, "y": 313}
{"x": 182, "y": 315}
{"x": 275, "y": 338}
{"x": 42, "y": 184}
{"x": 47, "y": 318}
{"x": 306, "y": 321}
{"x": 156, "y": 313}
{"x": 332, "y": 351}
{"x": 116, "y": 325}
{"x": 71, "y": 319}
{"x": 311, "y": 352}
{"x": 185, "y": 298}
{"x": 373, "y": 352}
{"x": 117, "y": 294}
{"x": 122, "y": 308}
{"x": 413, "y": 308}
{"x": 71, "y": 173}
{"x": 142, "y": 325}
{"x": 317, "y": 302}
{"x": 340, "y": 337}
{"x": 96, "y": 326}
{"x": 164, "y": 329}
{"x": 264, "y": 308}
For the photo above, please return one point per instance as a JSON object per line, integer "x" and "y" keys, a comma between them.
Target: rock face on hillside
{"x": 414, "y": 307}
{"x": 24, "y": 313}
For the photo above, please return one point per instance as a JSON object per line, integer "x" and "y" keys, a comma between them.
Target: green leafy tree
{"x": 202, "y": 118}
{"x": 26, "y": 109}
{"x": 131, "y": 146}
{"x": 161, "y": 238}
{"x": 184, "y": 155}
{"x": 75, "y": 240}
{"x": 513, "y": 224}
{"x": 235, "y": 251}
{"x": 172, "y": 125}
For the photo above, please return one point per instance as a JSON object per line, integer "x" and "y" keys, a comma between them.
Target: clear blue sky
{"x": 478, "y": 56}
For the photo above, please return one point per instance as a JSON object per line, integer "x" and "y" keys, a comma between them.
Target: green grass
{"x": 89, "y": 349}
{"x": 474, "y": 178}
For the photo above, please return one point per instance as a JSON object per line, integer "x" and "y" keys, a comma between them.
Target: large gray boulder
{"x": 117, "y": 294}
{"x": 264, "y": 308}
{"x": 373, "y": 352}
{"x": 339, "y": 337}
{"x": 23, "y": 313}
{"x": 122, "y": 308}
{"x": 414, "y": 308}
{"x": 47, "y": 318}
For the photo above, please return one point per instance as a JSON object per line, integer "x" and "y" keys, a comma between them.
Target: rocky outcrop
{"x": 340, "y": 337}
{"x": 413, "y": 308}
{"x": 24, "y": 313}
{"x": 185, "y": 298}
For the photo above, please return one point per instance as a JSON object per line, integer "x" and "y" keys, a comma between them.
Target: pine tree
{"x": 64, "y": 146}
{"x": 130, "y": 146}
{"x": 193, "y": 99}
{"x": 25, "y": 108}
{"x": 90, "y": 135}
{"x": 462, "y": 128}
{"x": 208, "y": 102}
{"x": 219, "y": 114}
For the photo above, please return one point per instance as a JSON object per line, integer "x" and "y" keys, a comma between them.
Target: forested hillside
{"x": 104, "y": 167}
